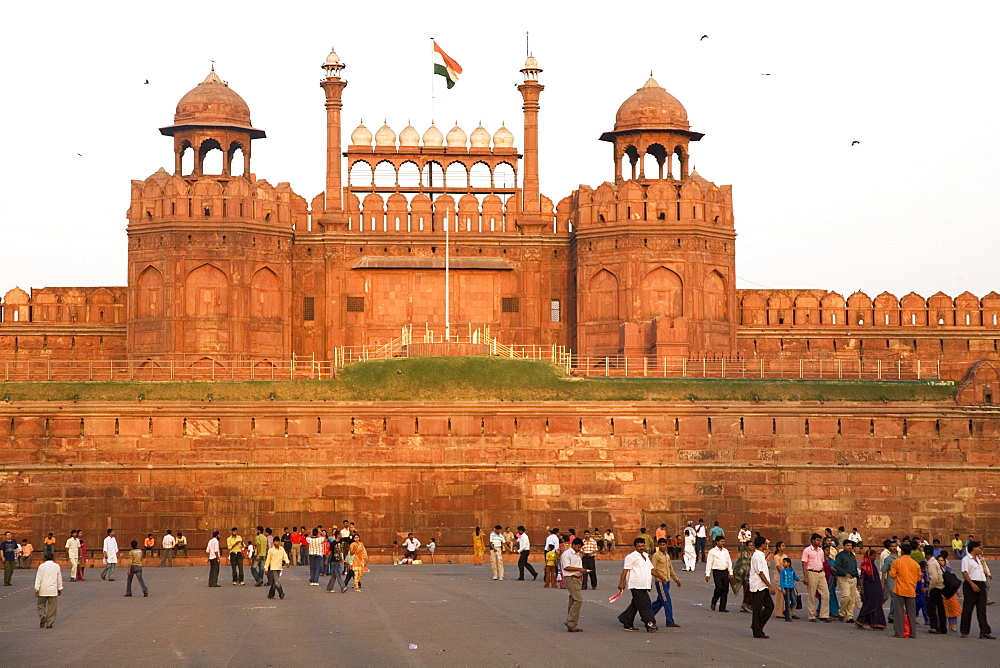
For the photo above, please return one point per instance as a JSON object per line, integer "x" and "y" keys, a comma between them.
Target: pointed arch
{"x": 150, "y": 297}
{"x": 206, "y": 292}
{"x": 265, "y": 294}
{"x": 716, "y": 299}
{"x": 602, "y": 293}
{"x": 662, "y": 294}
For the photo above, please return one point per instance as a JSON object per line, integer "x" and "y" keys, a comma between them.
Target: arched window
{"x": 385, "y": 174}
{"x": 603, "y": 295}
{"x": 650, "y": 166}
{"x": 479, "y": 175}
{"x": 211, "y": 158}
{"x": 433, "y": 175}
{"x": 662, "y": 294}
{"x": 187, "y": 159}
{"x": 361, "y": 174}
{"x": 457, "y": 176}
{"x": 503, "y": 176}
{"x": 409, "y": 175}
{"x": 150, "y": 297}
{"x": 716, "y": 302}
{"x": 206, "y": 292}
{"x": 265, "y": 294}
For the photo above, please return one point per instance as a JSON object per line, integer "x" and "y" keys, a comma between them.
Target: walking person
{"x": 690, "y": 555}
{"x": 663, "y": 573}
{"x": 573, "y": 572}
{"x": 761, "y": 589}
{"x": 814, "y": 575}
{"x": 524, "y": 549}
{"x": 410, "y": 547}
{"x": 83, "y": 556}
{"x": 260, "y": 548}
{"x": 73, "y": 554}
{"x": 719, "y": 568}
{"x": 235, "y": 545}
{"x": 135, "y": 569}
{"x": 974, "y": 591}
{"x": 788, "y": 578}
{"x": 497, "y": 542}
{"x": 336, "y": 559}
{"x": 846, "y": 569}
{"x": 359, "y": 561}
{"x": 275, "y": 562}
{"x": 637, "y": 575}
{"x": 48, "y": 588}
{"x": 935, "y": 598}
{"x": 315, "y": 542}
{"x": 110, "y": 556}
{"x": 214, "y": 554}
{"x": 589, "y": 560}
{"x": 8, "y": 552}
{"x": 905, "y": 571}
{"x": 167, "y": 555}
{"x": 871, "y": 613}
{"x": 778, "y": 561}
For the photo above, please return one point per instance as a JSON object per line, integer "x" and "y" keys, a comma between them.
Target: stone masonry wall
{"x": 439, "y": 470}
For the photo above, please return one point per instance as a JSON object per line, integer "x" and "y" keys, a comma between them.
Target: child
{"x": 395, "y": 553}
{"x": 431, "y": 546}
{"x": 922, "y": 585}
{"x": 788, "y": 580}
{"x": 551, "y": 559}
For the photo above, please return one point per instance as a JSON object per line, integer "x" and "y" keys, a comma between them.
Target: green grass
{"x": 480, "y": 378}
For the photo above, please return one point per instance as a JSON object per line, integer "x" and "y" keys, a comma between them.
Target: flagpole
{"x": 447, "y": 291}
{"x": 432, "y": 81}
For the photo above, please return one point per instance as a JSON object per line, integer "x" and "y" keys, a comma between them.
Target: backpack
{"x": 951, "y": 585}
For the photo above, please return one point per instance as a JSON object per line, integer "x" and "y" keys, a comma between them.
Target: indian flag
{"x": 446, "y": 66}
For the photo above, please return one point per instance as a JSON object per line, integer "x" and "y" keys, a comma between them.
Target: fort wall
{"x": 440, "y": 470}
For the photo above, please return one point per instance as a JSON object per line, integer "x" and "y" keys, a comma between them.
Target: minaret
{"x": 333, "y": 87}
{"x": 531, "y": 90}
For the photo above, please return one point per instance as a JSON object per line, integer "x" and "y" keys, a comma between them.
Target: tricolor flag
{"x": 446, "y": 66}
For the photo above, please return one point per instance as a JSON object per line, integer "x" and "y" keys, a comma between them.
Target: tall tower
{"x": 333, "y": 87}
{"x": 209, "y": 256}
{"x": 531, "y": 205}
{"x": 655, "y": 250}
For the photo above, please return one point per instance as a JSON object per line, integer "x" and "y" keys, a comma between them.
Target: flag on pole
{"x": 446, "y": 66}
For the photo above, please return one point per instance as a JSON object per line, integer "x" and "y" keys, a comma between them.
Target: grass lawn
{"x": 480, "y": 378}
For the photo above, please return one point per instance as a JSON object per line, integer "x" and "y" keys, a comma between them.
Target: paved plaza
{"x": 454, "y": 614}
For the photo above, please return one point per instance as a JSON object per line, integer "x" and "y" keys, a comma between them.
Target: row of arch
{"x": 652, "y": 162}
{"x": 778, "y": 308}
{"x": 211, "y": 157}
{"x": 71, "y": 305}
{"x": 207, "y": 293}
{"x": 662, "y": 296}
{"x": 432, "y": 174}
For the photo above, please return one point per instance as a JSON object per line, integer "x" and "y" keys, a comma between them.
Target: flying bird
{"x": 703, "y": 37}
{"x": 147, "y": 81}
{"x": 766, "y": 74}
{"x": 80, "y": 154}
{"x": 855, "y": 142}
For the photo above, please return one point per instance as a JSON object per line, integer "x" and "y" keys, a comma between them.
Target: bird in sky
{"x": 855, "y": 142}
{"x": 703, "y": 37}
{"x": 765, "y": 74}
{"x": 147, "y": 81}
{"x": 80, "y": 154}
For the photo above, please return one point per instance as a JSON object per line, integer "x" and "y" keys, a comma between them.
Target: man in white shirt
{"x": 974, "y": 591}
{"x": 497, "y": 542}
{"x": 855, "y": 536}
{"x": 700, "y": 536}
{"x": 637, "y": 575}
{"x": 73, "y": 553}
{"x": 169, "y": 542}
{"x": 110, "y": 556}
{"x": 760, "y": 589}
{"x": 214, "y": 555}
{"x": 524, "y": 549}
{"x": 552, "y": 540}
{"x": 410, "y": 546}
{"x": 573, "y": 571}
{"x": 48, "y": 587}
{"x": 719, "y": 566}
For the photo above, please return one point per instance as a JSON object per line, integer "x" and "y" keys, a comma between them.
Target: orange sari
{"x": 478, "y": 548}
{"x": 360, "y": 554}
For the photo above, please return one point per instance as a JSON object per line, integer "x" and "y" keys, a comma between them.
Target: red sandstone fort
{"x": 227, "y": 267}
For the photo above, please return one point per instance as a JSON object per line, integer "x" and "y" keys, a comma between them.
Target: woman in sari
{"x": 82, "y": 565}
{"x": 870, "y": 584}
{"x": 741, "y": 578}
{"x": 952, "y": 605}
{"x": 831, "y": 582}
{"x": 777, "y": 563}
{"x": 359, "y": 561}
{"x": 478, "y": 546}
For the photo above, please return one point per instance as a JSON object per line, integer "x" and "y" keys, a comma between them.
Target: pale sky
{"x": 909, "y": 208}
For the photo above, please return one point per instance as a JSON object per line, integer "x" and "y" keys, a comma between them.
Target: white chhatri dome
{"x": 408, "y": 136}
{"x": 480, "y": 138}
{"x": 385, "y": 136}
{"x": 502, "y": 138}
{"x": 361, "y": 136}
{"x": 433, "y": 136}
{"x": 457, "y": 137}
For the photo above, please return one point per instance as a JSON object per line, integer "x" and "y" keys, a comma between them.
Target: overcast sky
{"x": 912, "y": 207}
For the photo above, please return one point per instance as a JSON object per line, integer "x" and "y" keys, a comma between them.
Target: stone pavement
{"x": 455, "y": 614}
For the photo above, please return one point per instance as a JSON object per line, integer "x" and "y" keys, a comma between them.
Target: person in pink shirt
{"x": 813, "y": 574}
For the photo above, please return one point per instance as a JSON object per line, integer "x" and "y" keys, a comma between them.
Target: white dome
{"x": 409, "y": 136}
{"x": 502, "y": 138}
{"x": 385, "y": 136}
{"x": 361, "y": 136}
{"x": 333, "y": 58}
{"x": 457, "y": 137}
{"x": 480, "y": 138}
{"x": 433, "y": 137}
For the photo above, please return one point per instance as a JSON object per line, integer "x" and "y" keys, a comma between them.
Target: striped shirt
{"x": 315, "y": 545}
{"x": 497, "y": 541}
{"x": 589, "y": 547}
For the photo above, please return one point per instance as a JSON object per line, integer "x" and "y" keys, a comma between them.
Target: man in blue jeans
{"x": 315, "y": 544}
{"x": 663, "y": 573}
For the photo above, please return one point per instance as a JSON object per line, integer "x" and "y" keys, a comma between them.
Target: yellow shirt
{"x": 235, "y": 543}
{"x": 551, "y": 558}
{"x": 276, "y": 558}
{"x": 661, "y": 563}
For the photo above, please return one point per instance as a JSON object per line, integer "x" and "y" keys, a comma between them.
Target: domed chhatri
{"x": 480, "y": 138}
{"x": 214, "y": 103}
{"x": 457, "y": 137}
{"x": 651, "y": 108}
{"x": 385, "y": 136}
{"x": 433, "y": 137}
{"x": 361, "y": 136}
{"x": 503, "y": 138}
{"x": 409, "y": 136}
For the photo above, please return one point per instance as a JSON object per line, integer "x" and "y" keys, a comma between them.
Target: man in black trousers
{"x": 637, "y": 575}
{"x": 720, "y": 567}
{"x": 760, "y": 588}
{"x": 524, "y": 548}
